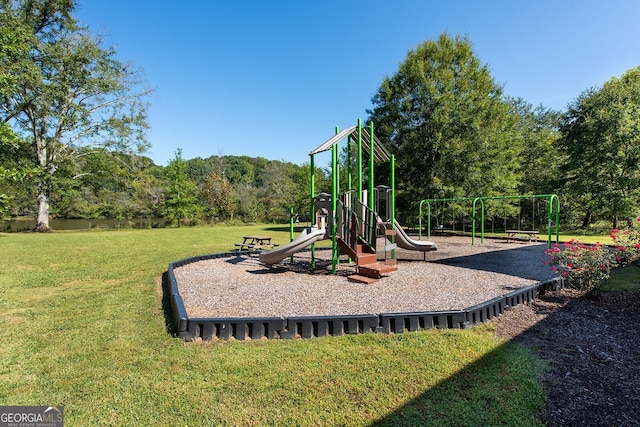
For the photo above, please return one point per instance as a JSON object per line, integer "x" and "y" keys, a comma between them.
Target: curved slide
{"x": 405, "y": 242}
{"x": 304, "y": 239}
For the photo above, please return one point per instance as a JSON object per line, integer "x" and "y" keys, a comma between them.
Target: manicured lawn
{"x": 587, "y": 239}
{"x": 82, "y": 325}
{"x": 624, "y": 279}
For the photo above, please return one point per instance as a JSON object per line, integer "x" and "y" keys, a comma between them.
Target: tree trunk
{"x": 615, "y": 222}
{"x": 42, "y": 224}
{"x": 46, "y": 160}
{"x": 586, "y": 220}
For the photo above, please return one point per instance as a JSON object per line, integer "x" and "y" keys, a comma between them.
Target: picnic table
{"x": 255, "y": 242}
{"x": 528, "y": 234}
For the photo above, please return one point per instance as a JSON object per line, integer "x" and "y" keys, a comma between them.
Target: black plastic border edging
{"x": 321, "y": 326}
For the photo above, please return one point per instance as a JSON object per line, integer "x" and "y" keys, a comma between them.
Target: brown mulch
{"x": 592, "y": 351}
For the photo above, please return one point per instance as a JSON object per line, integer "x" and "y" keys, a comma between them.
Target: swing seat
{"x": 439, "y": 229}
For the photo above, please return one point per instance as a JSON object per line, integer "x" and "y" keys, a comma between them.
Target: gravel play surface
{"x": 456, "y": 276}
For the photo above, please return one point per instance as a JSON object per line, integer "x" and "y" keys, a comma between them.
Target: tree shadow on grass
{"x": 500, "y": 388}
{"x": 591, "y": 377}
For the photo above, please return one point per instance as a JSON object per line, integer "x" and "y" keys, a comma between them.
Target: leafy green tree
{"x": 277, "y": 192}
{"x": 538, "y": 134}
{"x": 146, "y": 189}
{"x": 239, "y": 171}
{"x": 198, "y": 169}
{"x": 601, "y": 144}
{"x": 68, "y": 91}
{"x": 15, "y": 167}
{"x": 179, "y": 201}
{"x": 220, "y": 196}
{"x": 443, "y": 116}
{"x": 220, "y": 193}
{"x": 95, "y": 183}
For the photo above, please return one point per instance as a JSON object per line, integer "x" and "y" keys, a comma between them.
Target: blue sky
{"x": 274, "y": 78}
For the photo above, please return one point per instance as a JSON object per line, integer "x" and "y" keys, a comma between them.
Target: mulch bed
{"x": 592, "y": 351}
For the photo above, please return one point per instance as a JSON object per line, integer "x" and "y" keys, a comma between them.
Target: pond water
{"x": 19, "y": 225}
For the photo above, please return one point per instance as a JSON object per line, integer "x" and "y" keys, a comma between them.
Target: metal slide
{"x": 304, "y": 239}
{"x": 405, "y": 242}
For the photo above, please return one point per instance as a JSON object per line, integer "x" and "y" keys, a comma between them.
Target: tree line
{"x": 73, "y": 135}
{"x": 99, "y": 184}
{"x": 455, "y": 134}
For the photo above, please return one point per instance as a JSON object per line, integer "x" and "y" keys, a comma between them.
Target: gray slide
{"x": 405, "y": 242}
{"x": 304, "y": 239}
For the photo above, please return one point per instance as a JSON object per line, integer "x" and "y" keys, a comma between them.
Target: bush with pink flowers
{"x": 587, "y": 267}
{"x": 584, "y": 267}
{"x": 627, "y": 243}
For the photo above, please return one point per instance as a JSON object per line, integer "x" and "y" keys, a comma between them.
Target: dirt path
{"x": 592, "y": 350}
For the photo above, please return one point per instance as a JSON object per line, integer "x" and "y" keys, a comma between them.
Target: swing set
{"x": 512, "y": 233}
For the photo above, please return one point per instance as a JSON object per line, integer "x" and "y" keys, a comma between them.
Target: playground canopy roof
{"x": 380, "y": 153}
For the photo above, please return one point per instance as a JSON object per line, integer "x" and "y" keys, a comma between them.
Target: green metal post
{"x": 312, "y": 185}
{"x": 334, "y": 196}
{"x": 550, "y": 211}
{"x": 360, "y": 160}
{"x": 371, "y": 166}
{"x": 392, "y": 180}
{"x": 420, "y": 216}
{"x": 337, "y": 162}
{"x": 428, "y": 220}
{"x": 349, "y": 164}
{"x": 482, "y": 223}
{"x": 291, "y": 227}
{"x": 473, "y": 220}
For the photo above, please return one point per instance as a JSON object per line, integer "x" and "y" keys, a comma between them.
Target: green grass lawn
{"x": 82, "y": 325}
{"x": 624, "y": 279}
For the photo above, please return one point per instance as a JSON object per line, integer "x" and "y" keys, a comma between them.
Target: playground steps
{"x": 362, "y": 254}
{"x": 361, "y": 279}
{"x": 371, "y": 273}
{"x": 366, "y": 258}
{"x": 369, "y": 270}
{"x": 376, "y": 270}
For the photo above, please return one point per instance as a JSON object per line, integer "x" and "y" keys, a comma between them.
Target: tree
{"x": 278, "y": 190}
{"x": 15, "y": 166}
{"x": 68, "y": 91}
{"x": 97, "y": 183}
{"x": 146, "y": 189}
{"x": 601, "y": 142}
{"x": 538, "y": 129}
{"x": 179, "y": 201}
{"x": 14, "y": 48}
{"x": 443, "y": 117}
{"x": 219, "y": 193}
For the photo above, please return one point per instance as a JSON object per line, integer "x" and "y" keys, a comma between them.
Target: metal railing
{"x": 356, "y": 221}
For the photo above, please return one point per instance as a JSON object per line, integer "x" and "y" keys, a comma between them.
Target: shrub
{"x": 627, "y": 243}
{"x": 584, "y": 267}
{"x": 587, "y": 267}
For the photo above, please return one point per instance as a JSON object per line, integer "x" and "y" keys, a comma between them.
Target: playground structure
{"x": 553, "y": 221}
{"x": 351, "y": 216}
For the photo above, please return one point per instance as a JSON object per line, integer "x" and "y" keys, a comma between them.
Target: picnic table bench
{"x": 531, "y": 235}
{"x": 255, "y": 242}
{"x": 439, "y": 229}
